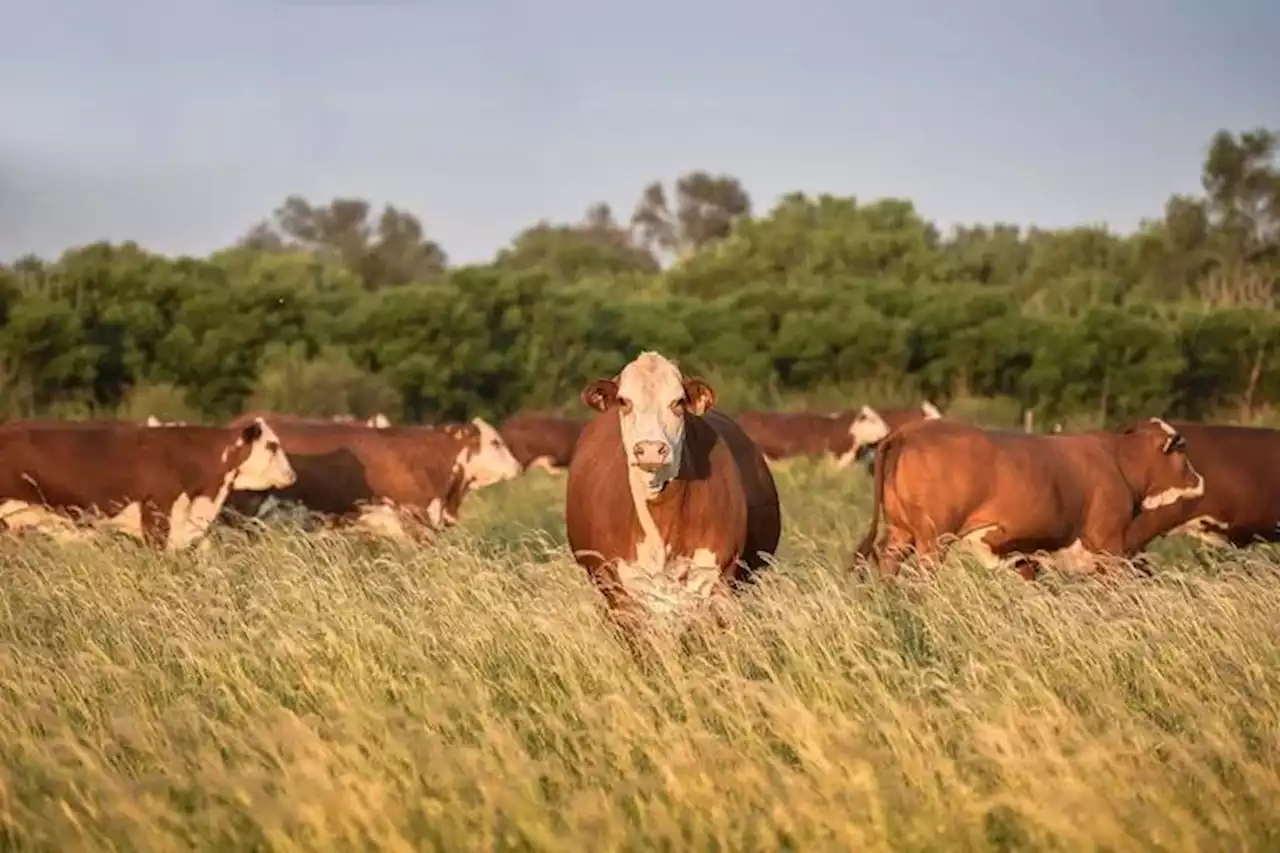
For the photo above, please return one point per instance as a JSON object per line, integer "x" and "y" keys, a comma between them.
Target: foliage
{"x": 819, "y": 297}
{"x": 314, "y": 693}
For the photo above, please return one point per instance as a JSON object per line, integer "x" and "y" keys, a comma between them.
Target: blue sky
{"x": 180, "y": 124}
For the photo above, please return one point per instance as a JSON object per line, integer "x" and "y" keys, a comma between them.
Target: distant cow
{"x": 1241, "y": 500}
{"x": 153, "y": 421}
{"x": 781, "y": 435}
{"x": 158, "y": 484}
{"x": 669, "y": 505}
{"x": 1010, "y": 493}
{"x": 379, "y": 420}
{"x": 380, "y": 479}
{"x": 871, "y": 425}
{"x": 542, "y": 441}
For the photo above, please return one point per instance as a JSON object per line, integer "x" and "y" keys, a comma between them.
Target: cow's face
{"x": 256, "y": 460}
{"x": 868, "y": 428}
{"x": 489, "y": 459}
{"x": 1156, "y": 464}
{"x": 653, "y": 398}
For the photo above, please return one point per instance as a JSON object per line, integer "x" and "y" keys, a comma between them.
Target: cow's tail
{"x": 886, "y": 448}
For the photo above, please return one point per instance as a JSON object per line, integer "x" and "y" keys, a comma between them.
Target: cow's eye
{"x": 677, "y": 406}
{"x": 624, "y": 403}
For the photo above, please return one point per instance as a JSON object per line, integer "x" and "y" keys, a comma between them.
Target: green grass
{"x": 321, "y": 693}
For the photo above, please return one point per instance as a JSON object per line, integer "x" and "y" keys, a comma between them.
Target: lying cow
{"x": 1010, "y": 493}
{"x": 401, "y": 482}
{"x": 669, "y": 505}
{"x": 542, "y": 441}
{"x": 1241, "y": 500}
{"x": 158, "y": 484}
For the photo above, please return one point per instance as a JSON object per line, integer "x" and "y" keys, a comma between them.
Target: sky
{"x": 181, "y": 124}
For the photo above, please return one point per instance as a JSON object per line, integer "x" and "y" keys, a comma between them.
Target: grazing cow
{"x": 1241, "y": 500}
{"x": 381, "y": 478}
{"x": 153, "y": 421}
{"x": 542, "y": 441}
{"x": 783, "y": 434}
{"x": 668, "y": 505}
{"x": 870, "y": 426}
{"x": 1010, "y": 493}
{"x": 158, "y": 484}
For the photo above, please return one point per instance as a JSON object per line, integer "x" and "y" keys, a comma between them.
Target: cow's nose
{"x": 651, "y": 454}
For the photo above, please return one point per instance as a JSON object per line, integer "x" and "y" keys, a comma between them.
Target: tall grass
{"x": 309, "y": 693}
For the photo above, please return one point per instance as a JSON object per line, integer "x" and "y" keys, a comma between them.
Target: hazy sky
{"x": 180, "y": 124}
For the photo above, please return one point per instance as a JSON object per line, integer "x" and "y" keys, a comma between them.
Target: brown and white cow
{"x": 157, "y": 484}
{"x": 871, "y": 425}
{"x": 669, "y": 505}
{"x": 542, "y": 441}
{"x": 1013, "y": 494}
{"x": 400, "y": 482}
{"x": 781, "y": 435}
{"x": 1241, "y": 500}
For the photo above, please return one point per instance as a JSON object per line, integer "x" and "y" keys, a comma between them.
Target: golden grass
{"x": 322, "y": 694}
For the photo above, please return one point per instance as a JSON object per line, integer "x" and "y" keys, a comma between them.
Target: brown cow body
{"x": 668, "y": 505}
{"x": 542, "y": 441}
{"x": 1009, "y": 493}
{"x": 158, "y": 484}
{"x": 781, "y": 435}
{"x": 1241, "y": 500}
{"x": 401, "y": 482}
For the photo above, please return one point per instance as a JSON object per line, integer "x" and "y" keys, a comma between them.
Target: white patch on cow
{"x": 975, "y": 542}
{"x": 382, "y": 519}
{"x": 931, "y": 412}
{"x": 265, "y": 467}
{"x": 651, "y": 422}
{"x": 379, "y": 421}
{"x": 1206, "y": 529}
{"x": 493, "y": 462}
{"x": 20, "y": 515}
{"x": 153, "y": 421}
{"x": 435, "y": 513}
{"x": 544, "y": 463}
{"x": 1074, "y": 558}
{"x": 867, "y": 428}
{"x": 1164, "y": 425}
{"x": 128, "y": 520}
{"x": 190, "y": 518}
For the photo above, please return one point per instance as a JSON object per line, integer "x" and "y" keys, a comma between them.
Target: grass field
{"x": 328, "y": 694}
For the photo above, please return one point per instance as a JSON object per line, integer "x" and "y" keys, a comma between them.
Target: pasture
{"x": 311, "y": 692}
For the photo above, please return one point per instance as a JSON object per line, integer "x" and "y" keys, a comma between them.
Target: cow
{"x": 871, "y": 425}
{"x": 156, "y": 484}
{"x": 542, "y": 441}
{"x": 153, "y": 421}
{"x": 379, "y": 479}
{"x": 780, "y": 435}
{"x": 669, "y": 506}
{"x": 1011, "y": 493}
{"x": 1241, "y": 500}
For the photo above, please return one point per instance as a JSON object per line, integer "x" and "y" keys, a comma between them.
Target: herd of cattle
{"x": 669, "y": 502}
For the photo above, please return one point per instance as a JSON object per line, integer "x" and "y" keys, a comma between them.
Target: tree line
{"x": 826, "y": 301}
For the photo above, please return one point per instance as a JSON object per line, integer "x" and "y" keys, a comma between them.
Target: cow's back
{"x": 764, "y": 514}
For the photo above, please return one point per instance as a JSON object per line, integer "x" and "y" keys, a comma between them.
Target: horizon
{"x": 123, "y": 128}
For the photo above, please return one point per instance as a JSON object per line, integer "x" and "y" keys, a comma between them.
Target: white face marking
{"x": 650, "y": 390}
{"x": 1177, "y": 493}
{"x": 493, "y": 462}
{"x": 379, "y": 421}
{"x": 153, "y": 421}
{"x": 382, "y": 519}
{"x": 867, "y": 428}
{"x": 1168, "y": 430}
{"x": 931, "y": 412}
{"x": 267, "y": 465}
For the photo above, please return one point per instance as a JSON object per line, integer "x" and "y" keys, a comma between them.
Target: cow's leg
{"x": 899, "y": 541}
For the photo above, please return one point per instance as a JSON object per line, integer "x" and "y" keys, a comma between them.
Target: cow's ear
{"x": 600, "y": 394}
{"x": 699, "y": 396}
{"x": 251, "y": 433}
